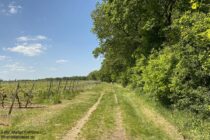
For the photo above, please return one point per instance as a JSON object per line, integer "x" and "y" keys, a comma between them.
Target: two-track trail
{"x": 73, "y": 133}
{"x": 120, "y": 115}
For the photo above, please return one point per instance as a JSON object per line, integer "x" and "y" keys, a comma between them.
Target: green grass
{"x": 137, "y": 125}
{"x": 102, "y": 122}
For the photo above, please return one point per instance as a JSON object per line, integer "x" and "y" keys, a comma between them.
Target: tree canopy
{"x": 159, "y": 46}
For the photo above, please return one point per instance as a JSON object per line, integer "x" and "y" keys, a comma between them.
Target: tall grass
{"x": 191, "y": 125}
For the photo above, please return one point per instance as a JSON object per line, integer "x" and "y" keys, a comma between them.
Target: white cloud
{"x": 13, "y": 8}
{"x": 61, "y": 61}
{"x": 28, "y": 45}
{"x": 31, "y": 38}
{"x": 28, "y": 49}
{"x": 17, "y": 67}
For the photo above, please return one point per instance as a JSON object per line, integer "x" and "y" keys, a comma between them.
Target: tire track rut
{"x": 119, "y": 133}
{"x": 74, "y": 132}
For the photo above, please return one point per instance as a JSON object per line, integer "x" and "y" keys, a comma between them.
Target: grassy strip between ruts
{"x": 137, "y": 125}
{"x": 102, "y": 122}
{"x": 61, "y": 122}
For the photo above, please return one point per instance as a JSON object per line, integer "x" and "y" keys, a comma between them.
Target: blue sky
{"x": 46, "y": 38}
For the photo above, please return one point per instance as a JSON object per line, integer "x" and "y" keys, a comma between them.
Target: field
{"x": 89, "y": 110}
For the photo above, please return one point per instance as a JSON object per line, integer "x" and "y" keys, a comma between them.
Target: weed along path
{"x": 73, "y": 133}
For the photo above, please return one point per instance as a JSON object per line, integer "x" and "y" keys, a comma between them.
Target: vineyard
{"x": 34, "y": 94}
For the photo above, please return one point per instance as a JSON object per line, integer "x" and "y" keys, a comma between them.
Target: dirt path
{"x": 73, "y": 133}
{"x": 119, "y": 133}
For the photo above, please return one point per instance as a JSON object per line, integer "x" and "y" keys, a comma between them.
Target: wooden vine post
{"x": 15, "y": 95}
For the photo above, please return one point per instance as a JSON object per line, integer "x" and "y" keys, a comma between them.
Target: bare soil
{"x": 120, "y": 133}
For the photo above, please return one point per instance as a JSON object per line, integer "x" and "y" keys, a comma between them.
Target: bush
{"x": 190, "y": 82}
{"x": 179, "y": 74}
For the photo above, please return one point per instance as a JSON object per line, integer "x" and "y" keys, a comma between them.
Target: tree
{"x": 158, "y": 46}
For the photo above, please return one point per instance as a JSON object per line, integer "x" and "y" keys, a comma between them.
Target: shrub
{"x": 179, "y": 74}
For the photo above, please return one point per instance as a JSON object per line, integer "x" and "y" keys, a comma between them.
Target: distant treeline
{"x": 68, "y": 78}
{"x": 56, "y": 79}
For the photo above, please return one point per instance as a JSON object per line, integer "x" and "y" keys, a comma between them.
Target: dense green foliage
{"x": 93, "y": 75}
{"x": 161, "y": 47}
